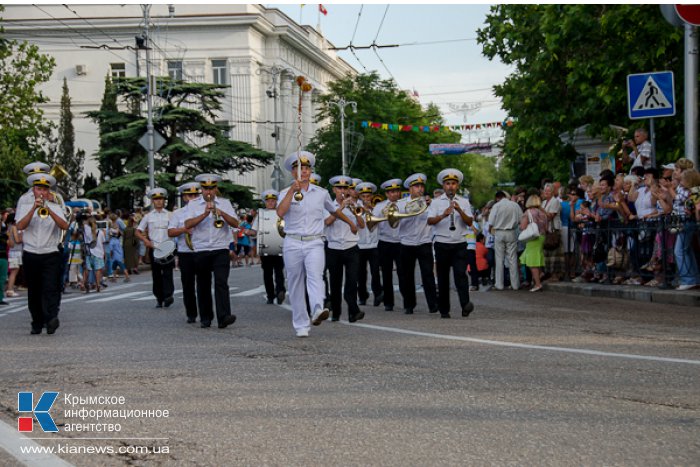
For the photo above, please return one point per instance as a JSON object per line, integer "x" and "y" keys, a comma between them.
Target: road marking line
{"x": 517, "y": 345}
{"x": 13, "y": 442}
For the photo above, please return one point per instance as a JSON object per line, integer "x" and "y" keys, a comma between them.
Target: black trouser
{"x": 473, "y": 271}
{"x": 214, "y": 262}
{"x": 424, "y": 254}
{"x": 162, "y": 276}
{"x": 339, "y": 260}
{"x": 44, "y": 282}
{"x": 368, "y": 256}
{"x": 273, "y": 275}
{"x": 187, "y": 277}
{"x": 451, "y": 255}
{"x": 389, "y": 254}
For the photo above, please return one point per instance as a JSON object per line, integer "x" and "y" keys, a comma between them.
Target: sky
{"x": 445, "y": 73}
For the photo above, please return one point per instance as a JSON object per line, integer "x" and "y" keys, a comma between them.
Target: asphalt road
{"x": 527, "y": 379}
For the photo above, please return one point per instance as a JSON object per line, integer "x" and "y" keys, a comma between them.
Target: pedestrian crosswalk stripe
{"x": 118, "y": 297}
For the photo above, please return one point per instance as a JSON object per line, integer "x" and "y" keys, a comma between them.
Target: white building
{"x": 257, "y": 51}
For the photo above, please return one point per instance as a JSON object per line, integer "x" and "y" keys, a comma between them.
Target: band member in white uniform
{"x": 42, "y": 220}
{"x": 368, "y": 242}
{"x": 315, "y": 179}
{"x": 185, "y": 248}
{"x": 210, "y": 217}
{"x": 343, "y": 253}
{"x": 272, "y": 265}
{"x": 450, "y": 214}
{"x": 30, "y": 169}
{"x": 152, "y": 231}
{"x": 389, "y": 242}
{"x": 416, "y": 244}
{"x": 303, "y": 243}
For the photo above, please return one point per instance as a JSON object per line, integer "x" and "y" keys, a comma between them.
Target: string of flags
{"x": 435, "y": 128}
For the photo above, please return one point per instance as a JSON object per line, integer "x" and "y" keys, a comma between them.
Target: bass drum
{"x": 164, "y": 253}
{"x": 269, "y": 238}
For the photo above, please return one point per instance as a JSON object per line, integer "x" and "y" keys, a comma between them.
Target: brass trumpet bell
{"x": 58, "y": 172}
{"x": 298, "y": 195}
{"x": 393, "y": 216}
{"x": 218, "y": 222}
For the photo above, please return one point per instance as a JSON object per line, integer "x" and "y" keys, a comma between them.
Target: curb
{"x": 628, "y": 292}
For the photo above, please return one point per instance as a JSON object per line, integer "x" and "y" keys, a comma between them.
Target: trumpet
{"x": 43, "y": 210}
{"x": 218, "y": 221}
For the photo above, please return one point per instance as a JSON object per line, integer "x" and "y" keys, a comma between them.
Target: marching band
{"x": 301, "y": 231}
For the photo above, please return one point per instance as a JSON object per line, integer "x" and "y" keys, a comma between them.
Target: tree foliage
{"x": 64, "y": 153}
{"x": 184, "y": 114}
{"x": 571, "y": 63}
{"x": 383, "y": 154}
{"x": 22, "y": 127}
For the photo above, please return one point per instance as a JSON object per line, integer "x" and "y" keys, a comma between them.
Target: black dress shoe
{"x": 356, "y": 317}
{"x": 168, "y": 301}
{"x": 389, "y": 308}
{"x": 230, "y": 319}
{"x": 191, "y": 320}
{"x": 280, "y": 297}
{"x": 444, "y": 315}
{"x": 466, "y": 309}
{"x": 35, "y": 331}
{"x": 52, "y": 325}
{"x": 408, "y": 311}
{"x": 378, "y": 299}
{"x": 205, "y": 324}
{"x": 270, "y": 301}
{"x": 362, "y": 302}
{"x": 159, "y": 305}
{"x": 335, "y": 319}
{"x": 3, "y": 302}
{"x": 434, "y": 309}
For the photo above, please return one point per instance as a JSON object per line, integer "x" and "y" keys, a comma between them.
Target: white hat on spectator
{"x": 670, "y": 166}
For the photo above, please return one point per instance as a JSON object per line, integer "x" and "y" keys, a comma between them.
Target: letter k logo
{"x": 25, "y": 403}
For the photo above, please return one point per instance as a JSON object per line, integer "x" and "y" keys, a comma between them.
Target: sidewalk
{"x": 628, "y": 292}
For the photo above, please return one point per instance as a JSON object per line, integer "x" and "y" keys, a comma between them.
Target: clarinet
{"x": 452, "y": 214}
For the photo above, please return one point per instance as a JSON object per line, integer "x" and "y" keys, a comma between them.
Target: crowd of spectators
{"x": 639, "y": 228}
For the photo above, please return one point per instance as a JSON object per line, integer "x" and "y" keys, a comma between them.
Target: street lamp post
{"x": 341, "y": 104}
{"x": 273, "y": 93}
{"x": 107, "y": 178}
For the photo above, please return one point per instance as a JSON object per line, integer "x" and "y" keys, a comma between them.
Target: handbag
{"x": 618, "y": 258}
{"x": 552, "y": 240}
{"x": 531, "y": 232}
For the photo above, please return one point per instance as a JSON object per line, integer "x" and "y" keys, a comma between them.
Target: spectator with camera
{"x": 641, "y": 150}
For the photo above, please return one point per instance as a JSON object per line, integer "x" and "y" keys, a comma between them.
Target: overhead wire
{"x": 80, "y": 33}
{"x": 357, "y": 23}
{"x": 374, "y": 49}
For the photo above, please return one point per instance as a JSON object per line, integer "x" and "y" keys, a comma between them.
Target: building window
{"x": 175, "y": 70}
{"x": 118, "y": 70}
{"x": 226, "y": 128}
{"x": 218, "y": 69}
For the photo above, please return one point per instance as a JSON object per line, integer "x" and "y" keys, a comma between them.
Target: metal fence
{"x": 636, "y": 252}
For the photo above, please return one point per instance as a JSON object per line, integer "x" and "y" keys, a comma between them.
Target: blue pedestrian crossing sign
{"x": 650, "y": 95}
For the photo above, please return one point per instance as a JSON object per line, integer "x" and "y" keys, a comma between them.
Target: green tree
{"x": 184, "y": 114}
{"x": 22, "y": 127}
{"x": 383, "y": 154}
{"x": 65, "y": 154}
{"x": 570, "y": 66}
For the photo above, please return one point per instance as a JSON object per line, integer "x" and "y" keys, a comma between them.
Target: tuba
{"x": 415, "y": 207}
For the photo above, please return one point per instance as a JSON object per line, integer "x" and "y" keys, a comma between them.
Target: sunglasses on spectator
{"x": 668, "y": 179}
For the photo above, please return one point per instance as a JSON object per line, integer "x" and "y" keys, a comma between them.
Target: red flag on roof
{"x": 323, "y": 11}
